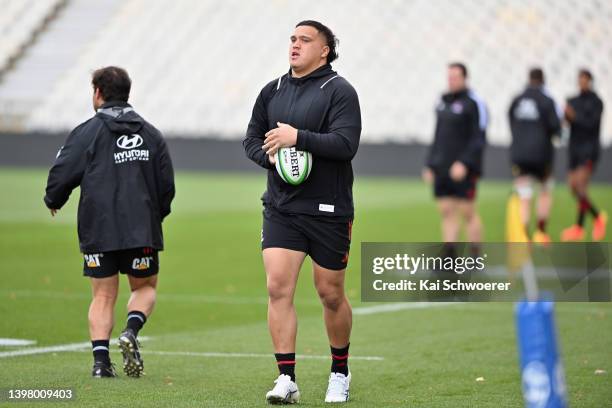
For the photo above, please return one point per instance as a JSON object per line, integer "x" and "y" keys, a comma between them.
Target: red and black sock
{"x": 581, "y": 212}
{"x": 286, "y": 364}
{"x": 340, "y": 359}
{"x": 542, "y": 224}
{"x": 584, "y": 206}
{"x": 100, "y": 350}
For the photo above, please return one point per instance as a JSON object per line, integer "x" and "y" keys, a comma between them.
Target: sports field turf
{"x": 212, "y": 303}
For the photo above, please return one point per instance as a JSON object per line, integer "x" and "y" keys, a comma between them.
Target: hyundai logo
{"x": 129, "y": 142}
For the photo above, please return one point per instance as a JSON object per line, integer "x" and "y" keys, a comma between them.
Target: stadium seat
{"x": 198, "y": 66}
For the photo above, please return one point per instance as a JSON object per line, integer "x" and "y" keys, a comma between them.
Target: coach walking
{"x": 123, "y": 167}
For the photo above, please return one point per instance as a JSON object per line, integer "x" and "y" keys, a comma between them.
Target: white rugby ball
{"x": 293, "y": 165}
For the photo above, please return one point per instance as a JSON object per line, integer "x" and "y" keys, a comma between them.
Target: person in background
{"x": 454, "y": 162}
{"x": 534, "y": 121}
{"x": 583, "y": 113}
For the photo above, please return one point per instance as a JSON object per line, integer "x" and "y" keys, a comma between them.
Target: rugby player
{"x": 454, "y": 162}
{"x": 314, "y": 109}
{"x": 583, "y": 113}
{"x": 123, "y": 167}
{"x": 534, "y": 121}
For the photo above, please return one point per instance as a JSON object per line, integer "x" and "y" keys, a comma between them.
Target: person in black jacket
{"x": 583, "y": 113}
{"x": 454, "y": 162}
{"x": 534, "y": 121}
{"x": 123, "y": 167}
{"x": 314, "y": 109}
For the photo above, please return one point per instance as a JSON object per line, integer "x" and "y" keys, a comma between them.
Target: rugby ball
{"x": 293, "y": 165}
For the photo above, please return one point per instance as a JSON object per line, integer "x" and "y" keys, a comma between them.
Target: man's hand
{"x": 282, "y": 136}
{"x": 272, "y": 160}
{"x": 570, "y": 113}
{"x": 53, "y": 212}
{"x": 458, "y": 171}
{"x": 428, "y": 175}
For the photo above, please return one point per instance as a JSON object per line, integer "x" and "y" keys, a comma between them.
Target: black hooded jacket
{"x": 122, "y": 164}
{"x": 324, "y": 108}
{"x": 534, "y": 121}
{"x": 460, "y": 135}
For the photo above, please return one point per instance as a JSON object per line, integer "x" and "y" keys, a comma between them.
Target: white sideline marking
{"x": 84, "y": 347}
{"x": 16, "y": 342}
{"x": 52, "y": 349}
{"x": 365, "y": 310}
{"x": 394, "y": 307}
{"x": 44, "y": 350}
{"x": 253, "y": 355}
{"x": 243, "y": 355}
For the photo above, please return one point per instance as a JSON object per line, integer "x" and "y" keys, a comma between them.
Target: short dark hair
{"x": 114, "y": 83}
{"x": 330, "y": 38}
{"x": 536, "y": 75}
{"x": 585, "y": 72}
{"x": 461, "y": 67}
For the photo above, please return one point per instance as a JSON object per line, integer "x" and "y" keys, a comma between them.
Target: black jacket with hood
{"x": 534, "y": 120}
{"x": 461, "y": 125}
{"x": 324, "y": 107}
{"x": 122, "y": 164}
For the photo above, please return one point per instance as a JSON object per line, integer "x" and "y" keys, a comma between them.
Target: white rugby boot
{"x": 338, "y": 387}
{"x": 285, "y": 391}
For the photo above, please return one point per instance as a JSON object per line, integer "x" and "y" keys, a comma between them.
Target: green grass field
{"x": 212, "y": 301}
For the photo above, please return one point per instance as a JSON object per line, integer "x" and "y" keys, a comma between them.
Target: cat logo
{"x": 142, "y": 263}
{"x": 92, "y": 260}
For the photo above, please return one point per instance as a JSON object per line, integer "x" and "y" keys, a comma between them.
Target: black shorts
{"x": 325, "y": 239}
{"x": 138, "y": 262}
{"x": 445, "y": 186}
{"x": 541, "y": 171}
{"x": 576, "y": 161}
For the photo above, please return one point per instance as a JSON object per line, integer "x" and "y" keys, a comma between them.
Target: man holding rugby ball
{"x": 315, "y": 110}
